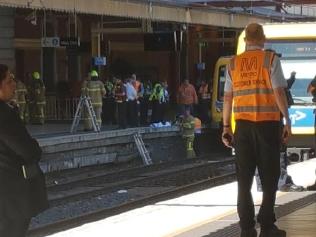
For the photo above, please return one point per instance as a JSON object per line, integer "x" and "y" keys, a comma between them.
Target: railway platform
{"x": 64, "y": 150}
{"x": 209, "y": 213}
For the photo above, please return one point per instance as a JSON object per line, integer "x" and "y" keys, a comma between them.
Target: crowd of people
{"x": 132, "y": 98}
{"x": 127, "y": 102}
{"x": 262, "y": 129}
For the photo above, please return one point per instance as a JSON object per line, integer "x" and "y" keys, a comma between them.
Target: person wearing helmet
{"x": 188, "y": 125}
{"x": 94, "y": 89}
{"x": 37, "y": 99}
{"x": 20, "y": 99}
{"x": 94, "y": 74}
{"x": 36, "y": 75}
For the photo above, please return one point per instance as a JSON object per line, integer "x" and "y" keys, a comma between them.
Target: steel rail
{"x": 129, "y": 181}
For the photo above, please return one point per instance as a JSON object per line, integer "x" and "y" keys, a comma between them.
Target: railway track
{"x": 175, "y": 174}
{"x": 151, "y": 184}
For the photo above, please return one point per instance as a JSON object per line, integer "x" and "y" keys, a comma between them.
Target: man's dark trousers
{"x": 257, "y": 144}
{"x": 16, "y": 227}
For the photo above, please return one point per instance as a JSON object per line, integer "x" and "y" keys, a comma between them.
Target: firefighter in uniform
{"x": 20, "y": 99}
{"x": 94, "y": 89}
{"x": 254, "y": 90}
{"x": 187, "y": 127}
{"x": 37, "y": 99}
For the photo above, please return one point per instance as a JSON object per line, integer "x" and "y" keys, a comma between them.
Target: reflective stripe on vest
{"x": 252, "y": 88}
{"x": 93, "y": 89}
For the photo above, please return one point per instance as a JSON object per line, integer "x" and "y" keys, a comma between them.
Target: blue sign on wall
{"x": 99, "y": 61}
{"x": 302, "y": 117}
{"x": 200, "y": 66}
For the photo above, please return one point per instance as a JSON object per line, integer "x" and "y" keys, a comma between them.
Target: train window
{"x": 299, "y": 56}
{"x": 293, "y": 48}
{"x": 221, "y": 82}
{"x": 304, "y": 76}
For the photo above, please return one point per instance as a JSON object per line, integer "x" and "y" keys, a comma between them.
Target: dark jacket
{"x": 288, "y": 93}
{"x": 19, "y": 196}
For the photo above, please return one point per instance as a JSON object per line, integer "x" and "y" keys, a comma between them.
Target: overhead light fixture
{"x": 32, "y": 18}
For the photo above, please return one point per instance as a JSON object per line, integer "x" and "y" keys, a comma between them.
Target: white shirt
{"x": 131, "y": 93}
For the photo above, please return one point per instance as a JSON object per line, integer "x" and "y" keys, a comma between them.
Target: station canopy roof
{"x": 276, "y": 10}
{"x": 233, "y": 13}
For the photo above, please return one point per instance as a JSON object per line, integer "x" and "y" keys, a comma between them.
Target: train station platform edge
{"x": 195, "y": 215}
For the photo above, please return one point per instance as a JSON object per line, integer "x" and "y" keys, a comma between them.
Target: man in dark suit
{"x": 22, "y": 193}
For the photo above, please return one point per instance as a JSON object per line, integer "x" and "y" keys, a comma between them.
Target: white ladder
{"x": 84, "y": 101}
{"x": 144, "y": 153}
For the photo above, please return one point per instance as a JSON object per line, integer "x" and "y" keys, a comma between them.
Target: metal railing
{"x": 60, "y": 108}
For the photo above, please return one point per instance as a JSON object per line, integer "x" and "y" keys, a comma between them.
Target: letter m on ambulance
{"x": 249, "y": 64}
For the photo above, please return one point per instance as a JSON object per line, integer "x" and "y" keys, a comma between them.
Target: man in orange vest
{"x": 254, "y": 91}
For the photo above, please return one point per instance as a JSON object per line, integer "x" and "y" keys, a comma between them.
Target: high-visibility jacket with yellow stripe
{"x": 253, "y": 97}
{"x": 20, "y": 93}
{"x": 95, "y": 90}
{"x": 188, "y": 125}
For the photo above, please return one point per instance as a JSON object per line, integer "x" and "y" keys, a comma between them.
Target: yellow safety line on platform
{"x": 196, "y": 225}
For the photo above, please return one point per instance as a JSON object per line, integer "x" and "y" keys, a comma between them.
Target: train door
{"x": 218, "y": 91}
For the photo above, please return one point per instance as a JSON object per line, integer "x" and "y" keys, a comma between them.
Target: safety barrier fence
{"x": 64, "y": 109}
{"x": 60, "y": 108}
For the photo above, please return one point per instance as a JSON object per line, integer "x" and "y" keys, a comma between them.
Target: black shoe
{"x": 248, "y": 233}
{"x": 274, "y": 231}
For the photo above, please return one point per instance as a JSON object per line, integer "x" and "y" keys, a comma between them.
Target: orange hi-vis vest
{"x": 253, "y": 97}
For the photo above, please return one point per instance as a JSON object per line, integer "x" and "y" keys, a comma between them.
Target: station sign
{"x": 302, "y": 119}
{"x": 51, "y": 42}
{"x": 99, "y": 61}
{"x": 70, "y": 42}
{"x": 200, "y": 66}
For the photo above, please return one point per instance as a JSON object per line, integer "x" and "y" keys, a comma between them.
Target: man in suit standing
{"x": 23, "y": 193}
